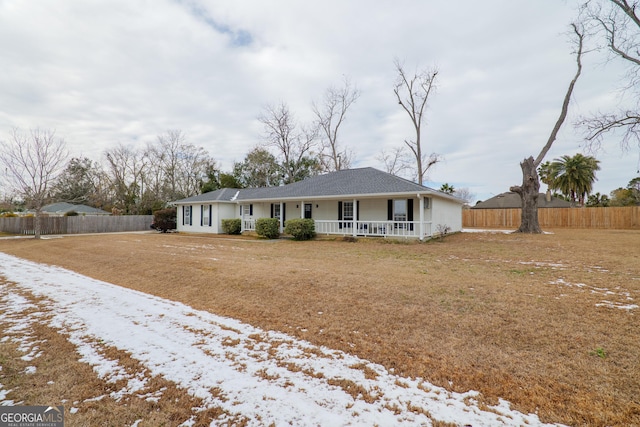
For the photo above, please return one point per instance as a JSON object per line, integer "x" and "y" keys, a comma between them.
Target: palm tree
{"x": 574, "y": 176}
{"x": 446, "y": 188}
{"x": 546, "y": 176}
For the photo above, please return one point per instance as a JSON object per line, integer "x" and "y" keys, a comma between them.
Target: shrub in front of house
{"x": 232, "y": 226}
{"x": 268, "y": 227}
{"x": 300, "y": 228}
{"x": 164, "y": 219}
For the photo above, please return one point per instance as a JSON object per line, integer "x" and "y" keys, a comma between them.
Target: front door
{"x": 307, "y": 210}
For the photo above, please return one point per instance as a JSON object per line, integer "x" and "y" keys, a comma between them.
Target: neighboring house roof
{"x": 344, "y": 183}
{"x": 510, "y": 200}
{"x": 62, "y": 208}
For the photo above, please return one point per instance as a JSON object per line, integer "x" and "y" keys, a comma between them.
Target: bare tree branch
{"x": 412, "y": 93}
{"x": 619, "y": 23}
{"x": 32, "y": 162}
{"x": 567, "y": 97}
{"x": 330, "y": 117}
{"x": 294, "y": 145}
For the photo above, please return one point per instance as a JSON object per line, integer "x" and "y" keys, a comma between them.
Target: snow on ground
{"x": 266, "y": 376}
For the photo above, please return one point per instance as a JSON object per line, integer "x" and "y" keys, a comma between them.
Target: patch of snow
{"x": 265, "y": 376}
{"x": 601, "y": 291}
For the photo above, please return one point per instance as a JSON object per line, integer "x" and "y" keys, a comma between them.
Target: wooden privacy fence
{"x": 76, "y": 224}
{"x": 615, "y": 218}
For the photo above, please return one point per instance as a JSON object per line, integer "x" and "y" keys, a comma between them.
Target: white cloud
{"x": 102, "y": 73}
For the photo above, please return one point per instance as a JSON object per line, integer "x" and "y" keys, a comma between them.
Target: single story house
{"x": 62, "y": 208}
{"x": 358, "y": 202}
{"x": 511, "y": 200}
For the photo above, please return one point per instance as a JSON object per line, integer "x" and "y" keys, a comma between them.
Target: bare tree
{"x": 618, "y": 22}
{"x": 126, "y": 171}
{"x": 294, "y": 143}
{"x": 530, "y": 187}
{"x": 178, "y": 167}
{"x": 331, "y": 114}
{"x": 32, "y": 163}
{"x": 396, "y": 161}
{"x": 465, "y": 194}
{"x": 412, "y": 93}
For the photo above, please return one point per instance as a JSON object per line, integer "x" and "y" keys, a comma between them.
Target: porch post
{"x": 421, "y": 199}
{"x": 355, "y": 217}
{"x": 301, "y": 208}
{"x": 281, "y": 215}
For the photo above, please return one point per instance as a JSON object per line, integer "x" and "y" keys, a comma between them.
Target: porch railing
{"x": 373, "y": 228}
{"x": 363, "y": 228}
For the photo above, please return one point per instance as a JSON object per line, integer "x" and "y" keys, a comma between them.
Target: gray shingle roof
{"x": 221, "y": 195}
{"x": 510, "y": 200}
{"x": 348, "y": 182}
{"x": 64, "y": 207}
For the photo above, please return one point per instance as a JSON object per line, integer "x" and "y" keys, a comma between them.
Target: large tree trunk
{"x": 37, "y": 223}
{"x": 529, "y": 192}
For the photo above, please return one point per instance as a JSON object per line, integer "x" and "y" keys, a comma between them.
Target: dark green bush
{"x": 268, "y": 227}
{"x": 232, "y": 226}
{"x": 300, "y": 229}
{"x": 164, "y": 219}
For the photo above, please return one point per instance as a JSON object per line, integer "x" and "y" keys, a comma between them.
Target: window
{"x": 307, "y": 210}
{"x": 246, "y": 210}
{"x": 205, "y": 215}
{"x": 186, "y": 215}
{"x": 400, "y": 210}
{"x": 276, "y": 210}
{"x": 347, "y": 211}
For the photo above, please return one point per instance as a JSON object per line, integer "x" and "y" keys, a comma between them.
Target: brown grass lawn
{"x": 533, "y": 319}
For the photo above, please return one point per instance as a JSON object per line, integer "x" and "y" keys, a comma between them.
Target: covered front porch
{"x": 368, "y": 217}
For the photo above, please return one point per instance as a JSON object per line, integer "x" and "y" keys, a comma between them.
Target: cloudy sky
{"x": 107, "y": 72}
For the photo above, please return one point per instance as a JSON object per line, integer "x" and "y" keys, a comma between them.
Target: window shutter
{"x": 284, "y": 212}
{"x": 340, "y": 215}
{"x": 389, "y": 210}
{"x": 182, "y": 214}
{"x": 190, "y": 215}
{"x": 201, "y": 215}
{"x": 410, "y": 212}
{"x": 210, "y": 214}
{"x": 251, "y": 210}
{"x": 271, "y": 211}
{"x": 358, "y": 210}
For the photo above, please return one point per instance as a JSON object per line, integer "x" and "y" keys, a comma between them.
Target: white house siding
{"x": 437, "y": 211}
{"x": 223, "y": 211}
{"x": 446, "y": 213}
{"x": 218, "y": 212}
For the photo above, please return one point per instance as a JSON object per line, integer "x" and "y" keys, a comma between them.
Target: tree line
{"x": 131, "y": 180}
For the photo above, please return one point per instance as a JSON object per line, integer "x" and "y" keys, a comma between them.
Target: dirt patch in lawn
{"x": 548, "y": 322}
